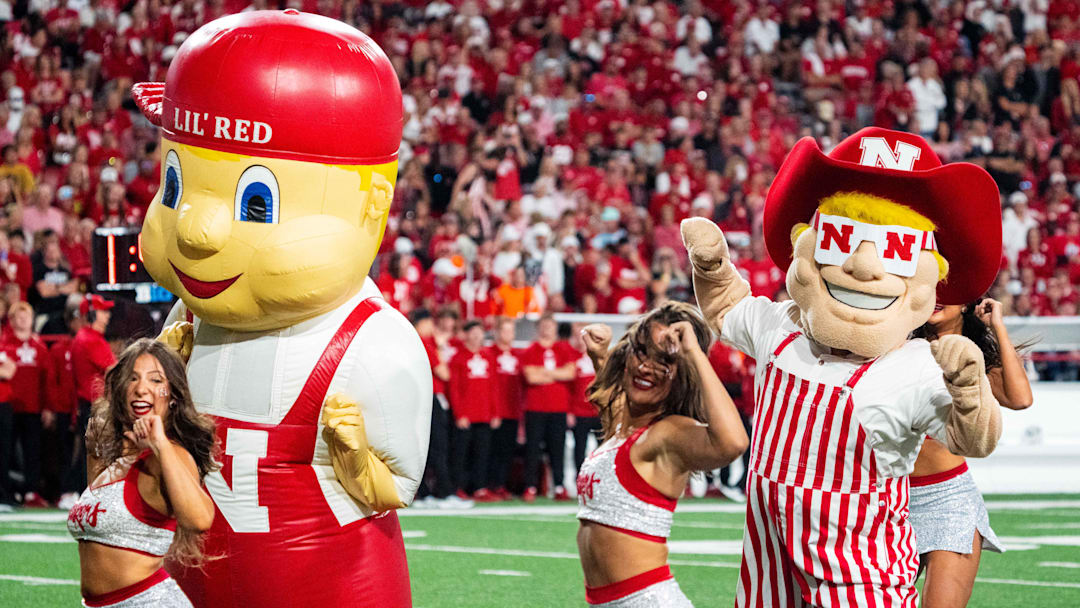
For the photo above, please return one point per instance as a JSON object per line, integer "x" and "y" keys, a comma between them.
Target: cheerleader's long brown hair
{"x": 183, "y": 424}
{"x": 608, "y": 390}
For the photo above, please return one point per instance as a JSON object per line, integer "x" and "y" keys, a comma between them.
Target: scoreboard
{"x": 116, "y": 262}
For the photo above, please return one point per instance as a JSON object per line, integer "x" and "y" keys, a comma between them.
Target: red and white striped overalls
{"x": 822, "y": 528}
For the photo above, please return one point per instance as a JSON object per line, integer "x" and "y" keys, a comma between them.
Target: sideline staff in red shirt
{"x": 29, "y": 391}
{"x": 7, "y": 437}
{"x": 549, "y": 369}
{"x": 472, "y": 393}
{"x": 506, "y": 361}
{"x": 90, "y": 357}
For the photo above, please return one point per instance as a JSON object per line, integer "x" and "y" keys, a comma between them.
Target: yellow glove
{"x": 364, "y": 476}
{"x": 180, "y": 336}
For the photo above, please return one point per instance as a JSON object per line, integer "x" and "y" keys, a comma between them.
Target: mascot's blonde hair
{"x": 872, "y": 209}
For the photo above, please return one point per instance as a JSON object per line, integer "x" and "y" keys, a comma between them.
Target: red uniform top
{"x": 734, "y": 370}
{"x": 580, "y": 406}
{"x": 622, "y": 269}
{"x": 552, "y": 396}
{"x": 764, "y": 277}
{"x": 16, "y": 268}
{"x": 90, "y": 357}
{"x": 472, "y": 386}
{"x": 438, "y": 385}
{"x": 30, "y": 384}
{"x": 508, "y": 382}
{"x": 62, "y": 396}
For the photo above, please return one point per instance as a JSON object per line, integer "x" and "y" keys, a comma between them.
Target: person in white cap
{"x": 1016, "y": 220}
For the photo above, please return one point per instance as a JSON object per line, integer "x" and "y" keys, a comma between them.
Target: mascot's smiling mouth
{"x": 202, "y": 289}
{"x": 859, "y": 299}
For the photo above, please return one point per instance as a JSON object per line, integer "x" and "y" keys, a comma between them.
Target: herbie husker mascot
{"x": 280, "y": 133}
{"x": 843, "y": 397}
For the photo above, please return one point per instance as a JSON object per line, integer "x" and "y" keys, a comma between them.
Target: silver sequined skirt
{"x": 166, "y": 594}
{"x": 665, "y": 594}
{"x": 946, "y": 515}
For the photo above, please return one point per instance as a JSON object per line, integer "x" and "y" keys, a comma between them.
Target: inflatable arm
{"x": 717, "y": 284}
{"x": 377, "y": 427}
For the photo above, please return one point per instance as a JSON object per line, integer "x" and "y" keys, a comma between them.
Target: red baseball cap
{"x": 95, "y": 301}
{"x": 281, "y": 84}
{"x": 960, "y": 198}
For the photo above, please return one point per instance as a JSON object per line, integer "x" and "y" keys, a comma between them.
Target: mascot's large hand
{"x": 974, "y": 424}
{"x": 180, "y": 336}
{"x": 717, "y": 284}
{"x": 363, "y": 474}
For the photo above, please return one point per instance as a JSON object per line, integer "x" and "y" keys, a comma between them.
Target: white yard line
{"x": 1059, "y": 565}
{"x": 36, "y": 580}
{"x": 504, "y": 572}
{"x": 34, "y": 516}
{"x": 546, "y": 554}
{"x": 35, "y": 538}
{"x": 1031, "y": 505}
{"x": 1010, "y": 581}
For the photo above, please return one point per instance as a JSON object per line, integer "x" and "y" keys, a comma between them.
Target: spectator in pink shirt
{"x": 40, "y": 213}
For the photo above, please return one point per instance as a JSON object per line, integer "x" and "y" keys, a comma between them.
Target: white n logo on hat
{"x": 877, "y": 153}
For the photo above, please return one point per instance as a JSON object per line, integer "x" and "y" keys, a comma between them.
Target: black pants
{"x": 725, "y": 473}
{"x": 440, "y": 484}
{"x": 76, "y": 477}
{"x": 503, "y": 442}
{"x": 436, "y": 480}
{"x": 28, "y": 434}
{"x": 472, "y": 450}
{"x": 57, "y": 445}
{"x": 7, "y": 444}
{"x": 546, "y": 430}
{"x": 584, "y": 427}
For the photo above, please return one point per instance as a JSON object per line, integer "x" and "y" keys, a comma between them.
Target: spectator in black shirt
{"x": 53, "y": 282}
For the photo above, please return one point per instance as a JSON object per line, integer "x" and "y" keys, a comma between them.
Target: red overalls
{"x": 306, "y": 558}
{"x": 822, "y": 528}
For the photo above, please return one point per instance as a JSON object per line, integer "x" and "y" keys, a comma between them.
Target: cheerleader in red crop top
{"x": 148, "y": 451}
{"x": 665, "y": 414}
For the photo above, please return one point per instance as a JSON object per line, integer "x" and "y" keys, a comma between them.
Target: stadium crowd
{"x": 550, "y": 150}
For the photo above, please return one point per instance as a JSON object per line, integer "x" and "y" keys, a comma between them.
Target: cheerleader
{"x": 947, "y": 511}
{"x": 147, "y": 453}
{"x": 665, "y": 414}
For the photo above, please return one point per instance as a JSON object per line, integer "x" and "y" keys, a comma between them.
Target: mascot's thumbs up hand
{"x": 974, "y": 423}
{"x": 705, "y": 242}
{"x": 717, "y": 284}
{"x": 364, "y": 476}
{"x": 180, "y": 336}
{"x": 960, "y": 359}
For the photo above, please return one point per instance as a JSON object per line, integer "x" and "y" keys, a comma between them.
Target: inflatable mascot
{"x": 843, "y": 397}
{"x": 280, "y": 133}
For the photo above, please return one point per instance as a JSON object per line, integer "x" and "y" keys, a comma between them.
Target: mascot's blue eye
{"x": 257, "y": 196}
{"x": 172, "y": 187}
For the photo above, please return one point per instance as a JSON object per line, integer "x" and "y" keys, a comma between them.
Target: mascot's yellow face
{"x": 253, "y": 243}
{"x": 859, "y": 306}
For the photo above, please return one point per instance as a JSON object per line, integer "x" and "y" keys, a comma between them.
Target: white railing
{"x": 1049, "y": 334}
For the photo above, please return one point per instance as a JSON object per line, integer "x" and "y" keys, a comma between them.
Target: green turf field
{"x": 512, "y": 554}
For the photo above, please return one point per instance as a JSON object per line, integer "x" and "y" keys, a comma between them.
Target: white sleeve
{"x": 391, "y": 381}
{"x": 932, "y": 410}
{"x": 177, "y": 313}
{"x": 750, "y": 322}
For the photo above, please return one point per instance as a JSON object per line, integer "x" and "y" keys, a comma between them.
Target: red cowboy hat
{"x": 961, "y": 199}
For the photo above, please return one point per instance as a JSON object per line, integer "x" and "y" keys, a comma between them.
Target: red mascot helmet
{"x": 282, "y": 84}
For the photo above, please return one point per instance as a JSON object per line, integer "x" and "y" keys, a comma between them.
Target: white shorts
{"x": 158, "y": 590}
{"x": 652, "y": 589}
{"x": 946, "y": 512}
